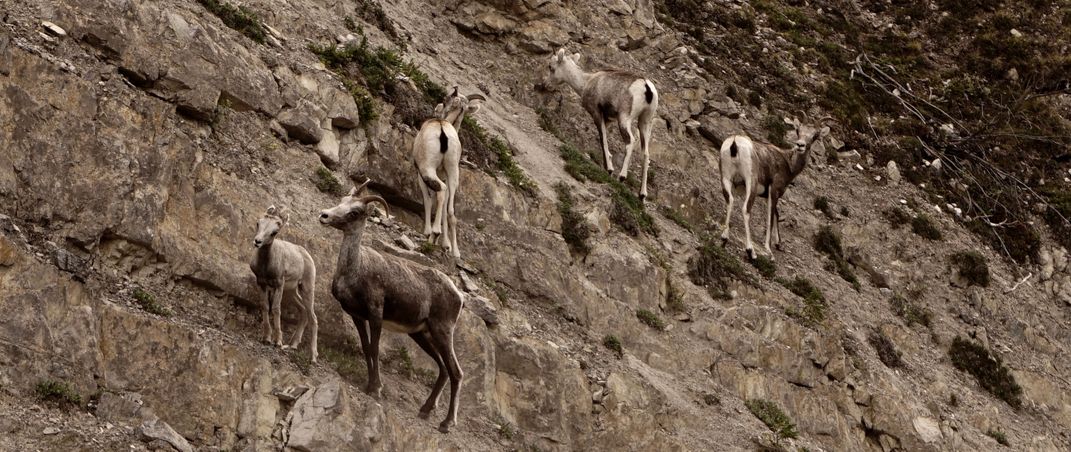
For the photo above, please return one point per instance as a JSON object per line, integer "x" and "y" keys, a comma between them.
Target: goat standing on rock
{"x": 281, "y": 266}
{"x": 612, "y": 96}
{"x": 437, "y": 145}
{"x": 383, "y": 291}
{"x": 764, "y": 170}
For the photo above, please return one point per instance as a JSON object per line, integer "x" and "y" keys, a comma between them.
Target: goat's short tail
{"x": 649, "y": 94}
{"x": 732, "y": 148}
{"x": 444, "y": 141}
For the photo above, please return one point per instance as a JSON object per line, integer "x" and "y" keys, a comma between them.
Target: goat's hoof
{"x": 643, "y": 197}
{"x": 424, "y": 414}
{"x": 778, "y": 247}
{"x": 621, "y": 178}
{"x": 750, "y": 254}
{"x": 444, "y": 428}
{"x": 724, "y": 241}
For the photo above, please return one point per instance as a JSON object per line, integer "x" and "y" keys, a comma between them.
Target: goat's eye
{"x": 273, "y": 233}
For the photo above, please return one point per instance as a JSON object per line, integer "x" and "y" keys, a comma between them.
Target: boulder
{"x": 326, "y": 418}
{"x": 303, "y": 122}
{"x": 155, "y": 429}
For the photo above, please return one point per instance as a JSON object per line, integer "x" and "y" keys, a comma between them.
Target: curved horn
{"x": 367, "y": 199}
{"x": 472, "y": 97}
{"x": 358, "y": 188}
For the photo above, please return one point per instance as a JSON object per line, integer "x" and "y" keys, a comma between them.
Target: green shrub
{"x": 582, "y": 167}
{"x": 505, "y": 428}
{"x": 575, "y": 229}
{"x": 897, "y": 217}
{"x": 766, "y": 266}
{"x": 58, "y": 392}
{"x": 344, "y": 360}
{"x": 926, "y": 228}
{"x": 988, "y": 369}
{"x": 366, "y": 106}
{"x": 379, "y": 68}
{"x": 771, "y": 415}
{"x": 910, "y": 312}
{"x": 814, "y": 307}
{"x": 326, "y": 182}
{"x": 998, "y": 435}
{"x": 827, "y": 241}
{"x": 429, "y": 248}
{"x": 476, "y": 140}
{"x": 651, "y": 319}
{"x": 373, "y": 13}
{"x": 148, "y": 303}
{"x": 239, "y": 18}
{"x": 612, "y": 343}
{"x": 821, "y": 204}
{"x": 972, "y": 267}
{"x": 629, "y": 214}
{"x": 886, "y": 350}
{"x": 776, "y": 128}
{"x": 715, "y": 268}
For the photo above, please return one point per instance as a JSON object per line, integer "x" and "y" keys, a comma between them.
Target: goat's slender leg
{"x": 437, "y": 223}
{"x": 443, "y": 338}
{"x": 423, "y": 339}
{"x": 604, "y": 140}
{"x": 366, "y": 347}
{"x": 375, "y": 327}
{"x": 265, "y": 317}
{"x": 452, "y": 183}
{"x": 276, "y": 314}
{"x": 770, "y": 200}
{"x": 425, "y": 192}
{"x": 645, "y": 141}
{"x": 777, "y": 225}
{"x": 624, "y": 123}
{"x": 745, "y": 208}
{"x": 295, "y": 340}
{"x": 727, "y": 193}
{"x": 309, "y": 294}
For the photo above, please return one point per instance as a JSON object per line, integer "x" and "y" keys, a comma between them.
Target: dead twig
{"x": 1021, "y": 281}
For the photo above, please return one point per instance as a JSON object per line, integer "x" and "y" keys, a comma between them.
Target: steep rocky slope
{"x": 141, "y": 140}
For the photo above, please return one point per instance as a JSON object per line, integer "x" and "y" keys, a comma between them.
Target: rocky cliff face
{"x": 139, "y": 141}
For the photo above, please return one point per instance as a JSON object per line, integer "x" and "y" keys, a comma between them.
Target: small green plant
{"x": 476, "y": 139}
{"x": 366, "y": 106}
{"x": 148, "y": 302}
{"x": 344, "y": 359}
{"x": 886, "y": 349}
{"x": 766, "y": 266}
{"x": 770, "y": 414}
{"x": 612, "y": 343}
{"x": 844, "y": 212}
{"x": 999, "y": 436}
{"x": 814, "y": 307}
{"x": 326, "y": 182}
{"x": 677, "y": 217}
{"x": 401, "y": 358}
{"x": 239, "y": 18}
{"x": 897, "y": 217}
{"x": 925, "y": 227}
{"x": 581, "y": 167}
{"x": 58, "y": 392}
{"x": 953, "y": 400}
{"x": 715, "y": 268}
{"x": 972, "y": 267}
{"x": 546, "y": 122}
{"x": 505, "y": 429}
{"x": 988, "y": 369}
{"x": 651, "y": 319}
{"x": 821, "y": 203}
{"x": 910, "y": 312}
{"x": 350, "y": 24}
{"x": 575, "y": 229}
{"x": 776, "y": 128}
{"x": 629, "y": 214}
{"x": 827, "y": 241}
{"x": 429, "y": 248}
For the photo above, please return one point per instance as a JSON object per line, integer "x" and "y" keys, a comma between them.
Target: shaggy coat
{"x": 281, "y": 267}
{"x": 762, "y": 170}
{"x": 387, "y": 292}
{"x": 612, "y": 96}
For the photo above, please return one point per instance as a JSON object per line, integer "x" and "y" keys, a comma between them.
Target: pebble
{"x": 53, "y": 28}
{"x": 50, "y": 431}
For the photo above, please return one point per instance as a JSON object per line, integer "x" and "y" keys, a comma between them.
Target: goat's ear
{"x": 559, "y": 54}
{"x": 284, "y": 214}
{"x": 575, "y": 57}
{"x": 271, "y": 209}
{"x": 824, "y": 131}
{"x": 439, "y": 110}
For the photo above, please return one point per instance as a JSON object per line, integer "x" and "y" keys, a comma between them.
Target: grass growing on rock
{"x": 713, "y": 267}
{"x": 345, "y": 360}
{"x": 885, "y": 349}
{"x": 813, "y": 311}
{"x": 326, "y": 182}
{"x": 378, "y": 69}
{"x": 988, "y": 369}
{"x": 925, "y": 227}
{"x": 827, "y": 241}
{"x": 575, "y": 229}
{"x": 999, "y": 436}
{"x": 58, "y": 392}
{"x": 476, "y": 140}
{"x": 897, "y": 217}
{"x": 677, "y": 217}
{"x": 821, "y": 204}
{"x": 651, "y": 319}
{"x": 613, "y": 344}
{"x": 766, "y": 266}
{"x": 770, "y": 414}
{"x": 972, "y": 267}
{"x": 239, "y": 18}
{"x": 910, "y": 312}
{"x": 148, "y": 302}
{"x": 626, "y": 211}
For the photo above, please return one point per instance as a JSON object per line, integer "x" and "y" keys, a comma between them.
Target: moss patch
{"x": 239, "y": 18}
{"x": 988, "y": 369}
{"x": 613, "y": 344}
{"x": 651, "y": 319}
{"x": 770, "y": 414}
{"x": 148, "y": 302}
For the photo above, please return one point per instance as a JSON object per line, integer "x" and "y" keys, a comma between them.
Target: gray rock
{"x": 483, "y": 308}
{"x": 892, "y": 172}
{"x": 303, "y": 122}
{"x": 53, "y": 29}
{"x": 155, "y": 429}
{"x": 406, "y": 243}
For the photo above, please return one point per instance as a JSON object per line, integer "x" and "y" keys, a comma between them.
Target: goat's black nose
{"x": 323, "y": 216}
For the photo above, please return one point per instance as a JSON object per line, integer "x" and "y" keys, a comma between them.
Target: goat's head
{"x": 269, "y": 225}
{"x": 355, "y": 207}
{"x": 561, "y": 65}
{"x": 454, "y": 106}
{"x": 805, "y": 136}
